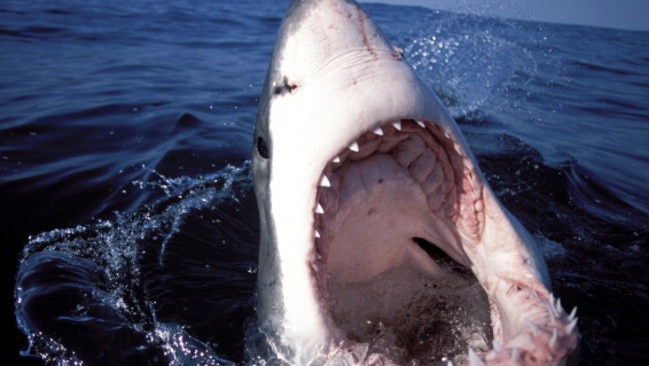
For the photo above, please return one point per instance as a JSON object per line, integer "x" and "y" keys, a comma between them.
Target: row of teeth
{"x": 354, "y": 147}
{"x": 424, "y": 166}
{"x": 379, "y": 132}
{"x": 556, "y": 312}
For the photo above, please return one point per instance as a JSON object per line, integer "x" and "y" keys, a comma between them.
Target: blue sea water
{"x": 129, "y": 225}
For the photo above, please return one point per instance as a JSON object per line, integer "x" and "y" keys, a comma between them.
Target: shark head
{"x": 361, "y": 176}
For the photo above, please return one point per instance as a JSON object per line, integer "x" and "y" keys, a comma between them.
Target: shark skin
{"x": 353, "y": 157}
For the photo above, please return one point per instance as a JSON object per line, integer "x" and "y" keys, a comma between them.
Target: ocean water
{"x": 129, "y": 224}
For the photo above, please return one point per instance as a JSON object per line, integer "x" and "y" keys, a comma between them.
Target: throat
{"x": 386, "y": 286}
{"x": 372, "y": 216}
{"x": 381, "y": 208}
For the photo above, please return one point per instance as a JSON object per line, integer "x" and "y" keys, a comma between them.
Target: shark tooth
{"x": 555, "y": 337}
{"x": 317, "y": 234}
{"x": 573, "y": 313}
{"x": 497, "y": 346}
{"x": 324, "y": 182}
{"x": 552, "y": 301}
{"x": 535, "y": 328}
{"x": 474, "y": 360}
{"x": 315, "y": 268}
{"x": 421, "y": 124}
{"x": 458, "y": 149}
{"x": 354, "y": 147}
{"x": 336, "y": 160}
{"x": 319, "y": 210}
{"x": 551, "y": 308}
{"x": 570, "y": 327}
{"x": 378, "y": 131}
{"x": 551, "y": 311}
{"x": 397, "y": 125}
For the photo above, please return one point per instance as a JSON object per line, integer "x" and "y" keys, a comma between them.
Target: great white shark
{"x": 360, "y": 174}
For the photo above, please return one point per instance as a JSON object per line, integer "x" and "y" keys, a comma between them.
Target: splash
{"x": 465, "y": 63}
{"x": 415, "y": 318}
{"x": 89, "y": 294}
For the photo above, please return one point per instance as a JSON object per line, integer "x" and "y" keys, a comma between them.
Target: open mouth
{"x": 391, "y": 214}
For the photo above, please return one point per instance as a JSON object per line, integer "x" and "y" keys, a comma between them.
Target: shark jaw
{"x": 387, "y": 286}
{"x": 360, "y": 174}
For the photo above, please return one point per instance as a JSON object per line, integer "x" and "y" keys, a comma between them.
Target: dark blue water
{"x": 129, "y": 225}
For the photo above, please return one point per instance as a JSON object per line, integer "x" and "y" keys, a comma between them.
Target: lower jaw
{"x": 410, "y": 316}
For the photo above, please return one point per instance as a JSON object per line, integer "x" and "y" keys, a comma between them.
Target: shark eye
{"x": 262, "y": 149}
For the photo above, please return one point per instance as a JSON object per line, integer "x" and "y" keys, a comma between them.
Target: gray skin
{"x": 353, "y": 157}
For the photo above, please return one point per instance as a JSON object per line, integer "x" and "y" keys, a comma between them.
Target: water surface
{"x": 128, "y": 219}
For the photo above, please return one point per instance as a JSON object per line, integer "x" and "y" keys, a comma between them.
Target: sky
{"x": 620, "y": 14}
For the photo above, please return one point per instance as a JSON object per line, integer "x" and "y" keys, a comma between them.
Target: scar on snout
{"x": 284, "y": 87}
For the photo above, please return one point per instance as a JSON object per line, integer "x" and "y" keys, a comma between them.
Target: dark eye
{"x": 262, "y": 149}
